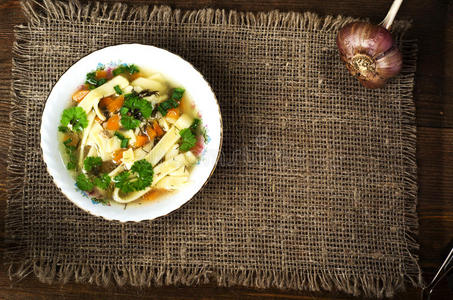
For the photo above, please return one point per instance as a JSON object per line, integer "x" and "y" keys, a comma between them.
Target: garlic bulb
{"x": 369, "y": 51}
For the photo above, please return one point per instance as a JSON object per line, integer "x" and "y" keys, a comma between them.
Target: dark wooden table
{"x": 433, "y": 27}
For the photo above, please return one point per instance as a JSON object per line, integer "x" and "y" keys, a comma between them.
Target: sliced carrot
{"x": 79, "y": 95}
{"x": 113, "y": 123}
{"x": 116, "y": 104}
{"x": 157, "y": 129}
{"x": 140, "y": 140}
{"x": 118, "y": 155}
{"x": 105, "y": 101}
{"x": 101, "y": 74}
{"x": 151, "y": 133}
{"x": 173, "y": 113}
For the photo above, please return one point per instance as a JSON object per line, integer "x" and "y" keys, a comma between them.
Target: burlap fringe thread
{"x": 55, "y": 269}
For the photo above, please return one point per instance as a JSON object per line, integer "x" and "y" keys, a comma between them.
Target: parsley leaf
{"x": 122, "y": 181}
{"x": 134, "y": 109}
{"x": 75, "y": 116}
{"x": 118, "y": 89}
{"x": 145, "y": 174}
{"x": 71, "y": 152}
{"x": 124, "y": 140}
{"x": 84, "y": 183}
{"x": 188, "y": 140}
{"x": 144, "y": 177}
{"x": 71, "y": 165}
{"x": 91, "y": 163}
{"x": 103, "y": 181}
{"x": 129, "y": 122}
{"x": 137, "y": 104}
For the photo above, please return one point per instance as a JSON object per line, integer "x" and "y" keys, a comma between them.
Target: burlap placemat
{"x": 316, "y": 186}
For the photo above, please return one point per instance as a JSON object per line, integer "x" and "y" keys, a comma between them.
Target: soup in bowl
{"x": 131, "y": 132}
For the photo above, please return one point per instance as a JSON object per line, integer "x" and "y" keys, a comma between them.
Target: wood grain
{"x": 433, "y": 28}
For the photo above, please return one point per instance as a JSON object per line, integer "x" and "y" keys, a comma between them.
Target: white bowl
{"x": 178, "y": 71}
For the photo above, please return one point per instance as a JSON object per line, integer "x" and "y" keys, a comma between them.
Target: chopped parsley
{"x": 136, "y": 104}
{"x": 91, "y": 162}
{"x": 166, "y": 105}
{"x": 195, "y": 124}
{"x": 138, "y": 178}
{"x": 74, "y": 116}
{"x": 124, "y": 140}
{"x": 103, "y": 181}
{"x": 123, "y": 182}
{"x": 129, "y": 122}
{"x": 71, "y": 152}
{"x": 118, "y": 89}
{"x": 173, "y": 102}
{"x": 134, "y": 109}
{"x": 131, "y": 69}
{"x": 188, "y": 140}
{"x": 84, "y": 183}
{"x": 93, "y": 82}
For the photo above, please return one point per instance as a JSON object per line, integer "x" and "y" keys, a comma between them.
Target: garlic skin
{"x": 369, "y": 53}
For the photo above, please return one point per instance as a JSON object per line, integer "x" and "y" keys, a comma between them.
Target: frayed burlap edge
{"x": 56, "y": 269}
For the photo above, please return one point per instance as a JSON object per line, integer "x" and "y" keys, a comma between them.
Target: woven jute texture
{"x": 315, "y": 188}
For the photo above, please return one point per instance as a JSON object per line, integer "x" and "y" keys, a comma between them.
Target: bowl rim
{"x": 170, "y": 210}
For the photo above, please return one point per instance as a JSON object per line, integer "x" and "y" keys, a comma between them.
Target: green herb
{"x": 188, "y": 140}
{"x": 67, "y": 144}
{"x": 118, "y": 89}
{"x": 177, "y": 93}
{"x": 195, "y": 124}
{"x": 145, "y": 172}
{"x": 166, "y": 105}
{"x": 134, "y": 102}
{"x": 91, "y": 78}
{"x": 129, "y": 122}
{"x": 124, "y": 110}
{"x": 123, "y": 182}
{"x": 71, "y": 165}
{"x": 75, "y": 116}
{"x": 131, "y": 69}
{"x": 173, "y": 102}
{"x": 91, "y": 163}
{"x": 101, "y": 81}
{"x": 93, "y": 82}
{"x": 124, "y": 140}
{"x": 143, "y": 177}
{"x": 70, "y": 151}
{"x": 134, "y": 109}
{"x": 103, "y": 181}
{"x": 84, "y": 183}
{"x": 63, "y": 129}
